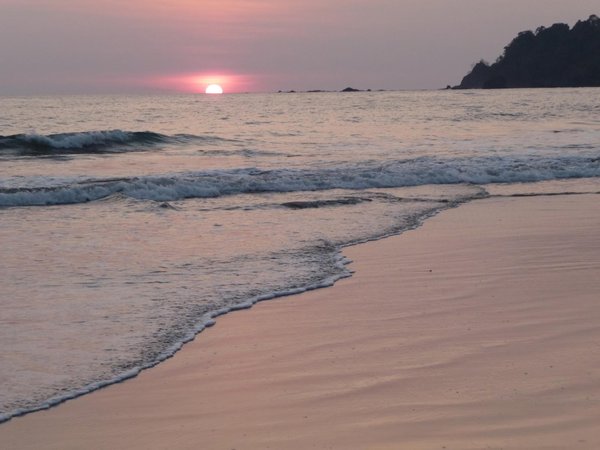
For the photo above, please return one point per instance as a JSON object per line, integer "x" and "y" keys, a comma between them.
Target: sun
{"x": 214, "y": 89}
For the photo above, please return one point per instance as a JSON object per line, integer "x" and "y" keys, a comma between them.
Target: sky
{"x": 146, "y": 46}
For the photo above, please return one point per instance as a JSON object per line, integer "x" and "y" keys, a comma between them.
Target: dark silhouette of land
{"x": 549, "y": 57}
{"x": 348, "y": 89}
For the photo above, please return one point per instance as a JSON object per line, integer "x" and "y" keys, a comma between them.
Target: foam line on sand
{"x": 481, "y": 329}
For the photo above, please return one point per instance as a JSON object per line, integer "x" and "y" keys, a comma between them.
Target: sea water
{"x": 129, "y": 223}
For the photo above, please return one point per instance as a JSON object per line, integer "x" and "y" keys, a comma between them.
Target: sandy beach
{"x": 478, "y": 330}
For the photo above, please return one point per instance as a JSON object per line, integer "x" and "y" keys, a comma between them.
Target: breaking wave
{"x": 206, "y": 184}
{"x": 106, "y": 141}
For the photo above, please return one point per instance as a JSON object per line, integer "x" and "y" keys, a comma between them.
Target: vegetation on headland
{"x": 557, "y": 56}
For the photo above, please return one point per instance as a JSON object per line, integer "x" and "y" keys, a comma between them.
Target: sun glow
{"x": 214, "y": 89}
{"x": 209, "y": 83}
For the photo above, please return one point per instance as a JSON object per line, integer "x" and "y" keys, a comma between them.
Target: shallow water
{"x": 129, "y": 223}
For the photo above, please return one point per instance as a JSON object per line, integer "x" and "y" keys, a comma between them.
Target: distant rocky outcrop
{"x": 557, "y": 56}
{"x": 312, "y": 91}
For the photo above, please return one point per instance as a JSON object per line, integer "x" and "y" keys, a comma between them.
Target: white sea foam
{"x": 420, "y": 171}
{"x": 208, "y": 320}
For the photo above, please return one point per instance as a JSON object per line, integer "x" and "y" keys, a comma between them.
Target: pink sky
{"x": 103, "y": 46}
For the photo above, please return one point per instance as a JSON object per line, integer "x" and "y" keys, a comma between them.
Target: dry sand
{"x": 479, "y": 330}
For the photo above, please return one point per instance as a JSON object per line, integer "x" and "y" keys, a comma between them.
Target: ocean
{"x": 130, "y": 223}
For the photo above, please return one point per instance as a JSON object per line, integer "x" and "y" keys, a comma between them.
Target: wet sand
{"x": 479, "y": 330}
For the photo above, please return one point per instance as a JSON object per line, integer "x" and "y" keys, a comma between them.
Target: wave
{"x": 414, "y": 172}
{"x": 104, "y": 141}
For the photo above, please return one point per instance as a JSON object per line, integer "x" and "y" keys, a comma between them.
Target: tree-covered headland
{"x": 557, "y": 56}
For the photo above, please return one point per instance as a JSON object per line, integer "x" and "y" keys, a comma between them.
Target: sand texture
{"x": 479, "y": 330}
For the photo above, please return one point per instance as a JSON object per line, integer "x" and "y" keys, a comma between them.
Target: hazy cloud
{"x": 51, "y": 46}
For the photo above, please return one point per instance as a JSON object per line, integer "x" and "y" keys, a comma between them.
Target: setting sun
{"x": 207, "y": 82}
{"x": 214, "y": 89}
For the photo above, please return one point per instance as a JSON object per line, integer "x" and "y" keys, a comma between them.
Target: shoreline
{"x": 304, "y": 372}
